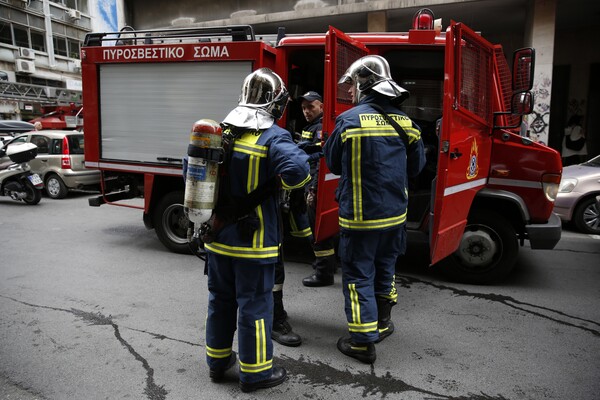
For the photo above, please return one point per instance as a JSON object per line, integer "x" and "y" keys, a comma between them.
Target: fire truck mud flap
{"x": 544, "y": 236}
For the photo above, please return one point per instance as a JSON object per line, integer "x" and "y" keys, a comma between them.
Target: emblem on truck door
{"x": 473, "y": 168}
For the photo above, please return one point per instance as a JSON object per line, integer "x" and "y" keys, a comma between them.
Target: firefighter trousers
{"x": 324, "y": 263}
{"x": 279, "y": 313}
{"x": 368, "y": 270}
{"x": 240, "y": 290}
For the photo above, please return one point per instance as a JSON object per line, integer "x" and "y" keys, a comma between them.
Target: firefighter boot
{"x": 216, "y": 374}
{"x": 324, "y": 268}
{"x": 283, "y": 334}
{"x": 363, "y": 352}
{"x": 282, "y": 331}
{"x": 385, "y": 326}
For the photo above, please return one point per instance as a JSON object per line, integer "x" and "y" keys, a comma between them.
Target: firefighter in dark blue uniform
{"x": 374, "y": 165}
{"x": 324, "y": 263}
{"x": 241, "y": 259}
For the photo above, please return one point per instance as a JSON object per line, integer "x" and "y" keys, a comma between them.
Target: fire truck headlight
{"x": 567, "y": 185}
{"x": 550, "y": 184}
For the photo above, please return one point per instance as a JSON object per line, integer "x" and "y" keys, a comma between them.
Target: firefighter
{"x": 324, "y": 263}
{"x": 241, "y": 254}
{"x": 374, "y": 148}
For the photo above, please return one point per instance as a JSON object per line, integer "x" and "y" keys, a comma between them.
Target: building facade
{"x": 562, "y": 31}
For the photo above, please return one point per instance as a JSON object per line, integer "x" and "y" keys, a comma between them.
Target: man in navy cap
{"x": 324, "y": 264}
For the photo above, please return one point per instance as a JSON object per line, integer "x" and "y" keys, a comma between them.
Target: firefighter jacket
{"x": 257, "y": 157}
{"x": 311, "y": 144}
{"x": 374, "y": 165}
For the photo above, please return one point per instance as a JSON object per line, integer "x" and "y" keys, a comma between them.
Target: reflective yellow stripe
{"x": 253, "y": 171}
{"x": 242, "y": 252}
{"x": 307, "y": 135}
{"x": 250, "y": 148}
{"x": 288, "y": 187}
{"x": 356, "y": 179}
{"x": 372, "y": 223}
{"x": 354, "y": 304}
{"x": 258, "y": 237}
{"x": 363, "y": 328}
{"x": 294, "y": 231}
{"x": 393, "y": 295}
{"x": 218, "y": 353}
{"x": 261, "y": 342}
{"x": 356, "y": 133}
{"x": 301, "y": 234}
{"x": 373, "y": 125}
{"x": 324, "y": 253}
{"x": 254, "y": 368}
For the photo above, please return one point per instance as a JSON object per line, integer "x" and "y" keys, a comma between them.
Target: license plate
{"x": 35, "y": 179}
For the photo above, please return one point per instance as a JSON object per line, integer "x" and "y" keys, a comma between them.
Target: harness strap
{"x": 393, "y": 123}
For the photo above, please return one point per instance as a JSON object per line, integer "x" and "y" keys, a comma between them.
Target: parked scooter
{"x": 16, "y": 180}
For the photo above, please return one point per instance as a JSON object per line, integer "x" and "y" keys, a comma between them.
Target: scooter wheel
{"x": 33, "y": 195}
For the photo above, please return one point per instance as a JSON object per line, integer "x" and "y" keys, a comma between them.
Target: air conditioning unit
{"x": 74, "y": 14}
{"x": 76, "y": 65}
{"x": 25, "y": 66}
{"x": 52, "y": 92}
{"x": 24, "y": 52}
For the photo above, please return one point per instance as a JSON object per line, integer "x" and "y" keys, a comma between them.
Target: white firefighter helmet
{"x": 373, "y": 73}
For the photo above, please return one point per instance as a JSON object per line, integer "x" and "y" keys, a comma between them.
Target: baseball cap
{"x": 311, "y": 96}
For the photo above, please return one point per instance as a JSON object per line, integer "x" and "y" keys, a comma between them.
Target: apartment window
{"x": 5, "y": 33}
{"x": 21, "y": 36}
{"x": 80, "y": 5}
{"x": 60, "y": 46}
{"x": 38, "y": 41}
{"x": 73, "y": 48}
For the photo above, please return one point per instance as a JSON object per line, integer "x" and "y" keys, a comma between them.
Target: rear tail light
{"x": 550, "y": 183}
{"x": 65, "y": 161}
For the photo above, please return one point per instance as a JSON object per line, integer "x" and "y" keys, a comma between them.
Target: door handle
{"x": 454, "y": 155}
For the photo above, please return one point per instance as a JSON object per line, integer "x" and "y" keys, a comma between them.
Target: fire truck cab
{"x": 485, "y": 189}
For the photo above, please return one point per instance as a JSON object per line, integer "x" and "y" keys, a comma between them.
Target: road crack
{"x": 552, "y": 315}
{"x": 152, "y": 390}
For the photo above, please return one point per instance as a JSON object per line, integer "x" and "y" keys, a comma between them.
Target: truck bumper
{"x": 544, "y": 236}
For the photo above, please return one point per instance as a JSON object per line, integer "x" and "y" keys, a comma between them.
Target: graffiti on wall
{"x": 541, "y": 111}
{"x": 107, "y": 15}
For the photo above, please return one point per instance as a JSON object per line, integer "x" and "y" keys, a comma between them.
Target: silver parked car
{"x": 578, "y": 199}
{"x": 60, "y": 161}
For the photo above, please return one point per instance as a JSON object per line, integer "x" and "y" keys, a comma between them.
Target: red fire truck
{"x": 485, "y": 189}
{"x": 64, "y": 116}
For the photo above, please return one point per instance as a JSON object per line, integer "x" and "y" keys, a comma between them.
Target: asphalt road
{"x": 93, "y": 307}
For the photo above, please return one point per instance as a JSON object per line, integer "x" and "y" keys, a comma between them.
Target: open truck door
{"x": 465, "y": 137}
{"x": 340, "y": 52}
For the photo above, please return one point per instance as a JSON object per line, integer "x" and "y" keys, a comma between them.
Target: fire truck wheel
{"x": 171, "y": 223}
{"x": 55, "y": 187}
{"x": 487, "y": 251}
{"x": 587, "y": 216}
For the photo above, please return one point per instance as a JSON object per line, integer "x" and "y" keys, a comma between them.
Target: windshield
{"x": 594, "y": 162}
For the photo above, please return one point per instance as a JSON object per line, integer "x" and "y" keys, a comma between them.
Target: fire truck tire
{"x": 487, "y": 252}
{"x": 33, "y": 194}
{"x": 55, "y": 187}
{"x": 171, "y": 223}
{"x": 587, "y": 216}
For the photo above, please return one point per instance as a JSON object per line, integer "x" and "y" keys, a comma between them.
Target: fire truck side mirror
{"x": 523, "y": 69}
{"x": 522, "y": 103}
